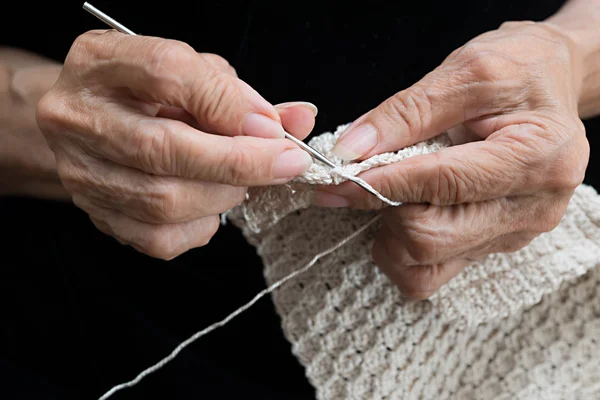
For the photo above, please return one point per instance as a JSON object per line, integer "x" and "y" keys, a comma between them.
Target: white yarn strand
{"x": 237, "y": 312}
{"x": 339, "y": 171}
{"x": 381, "y": 197}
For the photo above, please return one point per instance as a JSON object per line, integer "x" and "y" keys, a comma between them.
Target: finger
{"x": 172, "y": 112}
{"x": 509, "y": 243}
{"x": 415, "y": 234}
{"x": 421, "y": 281}
{"x": 176, "y": 113}
{"x": 429, "y": 235}
{"x": 298, "y": 118}
{"x": 166, "y": 147}
{"x": 422, "y": 247}
{"x": 220, "y": 63}
{"x": 517, "y": 160}
{"x": 149, "y": 198}
{"x": 416, "y": 282}
{"x": 172, "y": 73}
{"x": 165, "y": 241}
{"x": 464, "y": 89}
{"x": 165, "y": 111}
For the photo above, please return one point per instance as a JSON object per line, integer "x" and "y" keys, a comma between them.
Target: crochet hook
{"x": 314, "y": 153}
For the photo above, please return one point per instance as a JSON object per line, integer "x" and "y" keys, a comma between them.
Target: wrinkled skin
{"x": 154, "y": 140}
{"x": 509, "y": 99}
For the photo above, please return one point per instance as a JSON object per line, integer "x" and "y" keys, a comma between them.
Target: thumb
{"x": 426, "y": 109}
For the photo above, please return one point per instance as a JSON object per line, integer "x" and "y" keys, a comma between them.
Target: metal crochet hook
{"x": 314, "y": 153}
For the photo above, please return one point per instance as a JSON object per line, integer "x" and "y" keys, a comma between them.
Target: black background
{"x": 80, "y": 313}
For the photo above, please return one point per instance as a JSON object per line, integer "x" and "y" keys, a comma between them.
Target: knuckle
{"x": 549, "y": 218}
{"x": 410, "y": 107}
{"x": 420, "y": 282}
{"x": 88, "y": 47}
{"x": 50, "y": 113}
{"x": 452, "y": 186}
{"x": 394, "y": 186}
{"x": 484, "y": 68}
{"x": 212, "y": 226}
{"x": 444, "y": 189}
{"x": 423, "y": 241}
{"x": 414, "y": 281}
{"x": 218, "y": 99}
{"x": 151, "y": 150}
{"x": 160, "y": 243}
{"x": 164, "y": 202}
{"x": 84, "y": 46}
{"x": 568, "y": 170}
{"x": 241, "y": 167}
{"x": 61, "y": 116}
{"x": 166, "y": 56}
{"x": 220, "y": 63}
{"x": 480, "y": 62}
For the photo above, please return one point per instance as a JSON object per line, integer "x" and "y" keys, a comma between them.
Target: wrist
{"x": 27, "y": 165}
{"x": 583, "y": 38}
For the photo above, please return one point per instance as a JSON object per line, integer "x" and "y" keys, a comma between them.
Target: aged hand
{"x": 154, "y": 140}
{"x": 510, "y": 98}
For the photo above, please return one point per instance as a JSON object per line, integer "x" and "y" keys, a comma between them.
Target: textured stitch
{"x": 523, "y": 325}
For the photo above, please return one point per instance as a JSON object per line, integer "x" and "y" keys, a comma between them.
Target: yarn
{"x": 360, "y": 181}
{"x": 523, "y": 325}
{"x": 234, "y": 314}
{"x": 337, "y": 174}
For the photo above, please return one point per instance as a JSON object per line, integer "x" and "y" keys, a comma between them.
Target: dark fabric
{"x": 80, "y": 313}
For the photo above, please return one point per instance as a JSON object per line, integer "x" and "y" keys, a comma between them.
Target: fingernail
{"x": 323, "y": 199}
{"x": 356, "y": 143}
{"x": 260, "y": 125}
{"x": 292, "y": 163}
{"x": 306, "y": 104}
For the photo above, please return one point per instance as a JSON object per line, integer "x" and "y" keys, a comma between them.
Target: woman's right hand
{"x": 154, "y": 140}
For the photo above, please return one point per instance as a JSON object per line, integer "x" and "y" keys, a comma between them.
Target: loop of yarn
{"x": 339, "y": 172}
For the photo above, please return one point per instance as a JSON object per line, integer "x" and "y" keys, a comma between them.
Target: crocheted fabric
{"x": 523, "y": 325}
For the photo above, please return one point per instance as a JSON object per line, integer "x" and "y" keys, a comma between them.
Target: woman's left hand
{"x": 511, "y": 97}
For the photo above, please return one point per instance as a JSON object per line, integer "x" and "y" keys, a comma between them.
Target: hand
{"x": 27, "y": 166}
{"x": 154, "y": 140}
{"x": 509, "y": 98}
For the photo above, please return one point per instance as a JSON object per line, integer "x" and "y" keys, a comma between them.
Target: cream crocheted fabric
{"x": 524, "y": 325}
